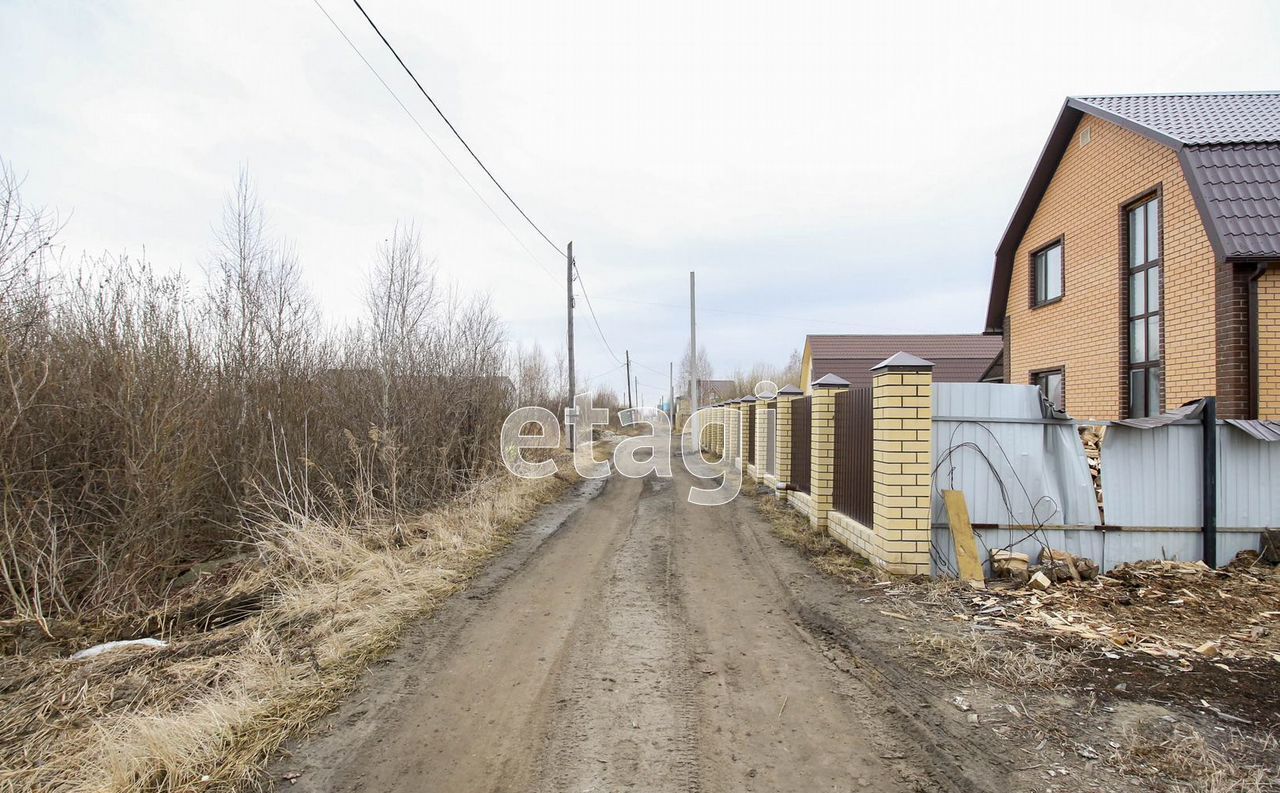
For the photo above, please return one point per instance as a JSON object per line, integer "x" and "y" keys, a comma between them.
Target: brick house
{"x": 1138, "y": 271}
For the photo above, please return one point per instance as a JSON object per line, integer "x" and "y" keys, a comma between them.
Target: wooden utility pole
{"x": 628, "y": 377}
{"x": 671, "y": 389}
{"x": 572, "y": 375}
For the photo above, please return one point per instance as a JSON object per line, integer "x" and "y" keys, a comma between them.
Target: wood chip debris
{"x": 1163, "y": 609}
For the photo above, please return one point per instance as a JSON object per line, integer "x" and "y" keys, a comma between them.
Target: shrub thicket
{"x": 144, "y": 424}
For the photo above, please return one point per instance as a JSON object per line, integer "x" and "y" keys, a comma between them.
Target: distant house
{"x": 712, "y": 391}
{"x": 957, "y": 358}
{"x": 1138, "y": 270}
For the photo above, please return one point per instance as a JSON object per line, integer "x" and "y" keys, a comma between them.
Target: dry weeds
{"x": 825, "y": 553}
{"x": 1177, "y": 757}
{"x": 982, "y": 655}
{"x": 204, "y": 712}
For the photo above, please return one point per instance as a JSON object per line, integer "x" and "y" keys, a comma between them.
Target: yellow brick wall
{"x": 1269, "y": 344}
{"x": 822, "y": 460}
{"x": 1084, "y": 331}
{"x": 784, "y": 443}
{"x": 902, "y": 412}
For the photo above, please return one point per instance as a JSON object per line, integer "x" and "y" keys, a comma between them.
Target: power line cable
{"x": 586, "y": 380}
{"x": 428, "y": 136}
{"x": 646, "y": 366}
{"x": 594, "y": 319}
{"x": 454, "y": 129}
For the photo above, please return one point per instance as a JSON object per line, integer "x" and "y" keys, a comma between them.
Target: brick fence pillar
{"x": 822, "y": 460}
{"x": 722, "y": 430}
{"x": 785, "y": 395}
{"x": 902, "y": 463}
{"x": 746, "y": 411}
{"x": 731, "y": 415}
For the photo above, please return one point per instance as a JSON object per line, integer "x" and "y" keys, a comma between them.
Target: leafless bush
{"x": 144, "y": 423}
{"x": 787, "y": 374}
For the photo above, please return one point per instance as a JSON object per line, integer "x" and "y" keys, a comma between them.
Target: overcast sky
{"x": 836, "y": 168}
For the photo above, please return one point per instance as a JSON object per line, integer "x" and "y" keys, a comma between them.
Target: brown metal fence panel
{"x": 853, "y": 453}
{"x": 751, "y": 434}
{"x": 771, "y": 437}
{"x": 801, "y": 415}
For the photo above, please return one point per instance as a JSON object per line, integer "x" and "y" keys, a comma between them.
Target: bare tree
{"x": 701, "y": 369}
{"x": 534, "y": 376}
{"x": 145, "y": 427}
{"x": 400, "y": 297}
{"x": 789, "y": 373}
{"x": 27, "y": 236}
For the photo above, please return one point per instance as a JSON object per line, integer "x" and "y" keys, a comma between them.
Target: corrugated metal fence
{"x": 852, "y": 492}
{"x": 771, "y": 437}
{"x": 1027, "y": 483}
{"x": 1015, "y": 466}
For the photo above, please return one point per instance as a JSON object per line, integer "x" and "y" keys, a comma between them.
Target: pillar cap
{"x": 747, "y": 398}
{"x": 903, "y": 361}
{"x": 789, "y": 390}
{"x": 830, "y": 380}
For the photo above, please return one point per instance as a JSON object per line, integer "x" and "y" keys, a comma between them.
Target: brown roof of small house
{"x": 715, "y": 390}
{"x": 956, "y": 357}
{"x": 1228, "y": 145}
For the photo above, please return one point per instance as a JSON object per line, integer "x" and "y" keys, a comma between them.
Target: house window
{"x": 1046, "y": 274}
{"x": 1142, "y": 223}
{"x": 1052, "y": 385}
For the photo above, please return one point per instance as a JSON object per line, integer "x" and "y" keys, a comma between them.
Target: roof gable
{"x": 1228, "y": 145}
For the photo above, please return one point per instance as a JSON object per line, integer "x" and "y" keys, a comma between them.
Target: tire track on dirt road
{"x": 461, "y": 704}
{"x": 626, "y": 704}
{"x": 645, "y": 644}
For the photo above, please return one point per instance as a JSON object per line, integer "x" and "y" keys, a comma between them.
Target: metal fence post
{"x": 1209, "y": 469}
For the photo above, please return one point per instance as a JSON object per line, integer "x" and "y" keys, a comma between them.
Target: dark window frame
{"x": 1061, "y": 243}
{"x": 1127, "y": 367}
{"x": 1061, "y": 370}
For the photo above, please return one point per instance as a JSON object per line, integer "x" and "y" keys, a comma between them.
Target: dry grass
{"x": 825, "y": 553}
{"x": 1177, "y": 757}
{"x": 981, "y": 655}
{"x": 204, "y": 713}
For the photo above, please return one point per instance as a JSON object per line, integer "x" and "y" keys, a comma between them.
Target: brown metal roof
{"x": 1196, "y": 119}
{"x": 930, "y": 346}
{"x": 712, "y": 390}
{"x": 1229, "y": 148}
{"x": 1240, "y": 187}
{"x": 956, "y": 357}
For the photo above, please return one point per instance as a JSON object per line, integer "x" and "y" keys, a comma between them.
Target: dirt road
{"x": 633, "y": 641}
